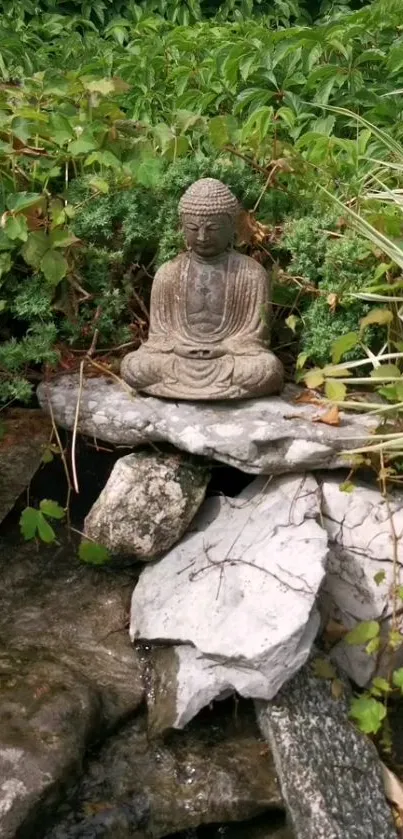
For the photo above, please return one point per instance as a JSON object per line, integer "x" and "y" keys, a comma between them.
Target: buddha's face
{"x": 208, "y": 235}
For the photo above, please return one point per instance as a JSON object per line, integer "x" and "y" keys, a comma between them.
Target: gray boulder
{"x": 147, "y": 504}
{"x": 330, "y": 774}
{"x": 274, "y": 435}
{"x": 238, "y": 594}
{"x": 363, "y": 570}
{"x": 22, "y": 441}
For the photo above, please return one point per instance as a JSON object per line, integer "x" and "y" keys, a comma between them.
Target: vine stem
{"x": 74, "y": 440}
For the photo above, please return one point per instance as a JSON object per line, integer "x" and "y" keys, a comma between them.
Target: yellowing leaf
{"x": 386, "y": 371}
{"x": 393, "y": 788}
{"x": 337, "y": 689}
{"x": 334, "y": 390}
{"x": 102, "y": 86}
{"x": 363, "y": 632}
{"x": 314, "y": 378}
{"x": 330, "y": 417}
{"x": 344, "y": 344}
{"x": 291, "y": 322}
{"x": 347, "y": 486}
{"x": 336, "y": 372}
{"x": 323, "y": 669}
{"x": 379, "y": 316}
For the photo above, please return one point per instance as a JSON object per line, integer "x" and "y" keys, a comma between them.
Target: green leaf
{"x": 148, "y": 171}
{"x": 99, "y": 185}
{"x": 379, "y": 577}
{"x": 373, "y": 646}
{"x": 62, "y": 239}
{"x": 3, "y": 305}
{"x": 344, "y": 344}
{"x": 93, "y": 554}
{"x": 62, "y": 131}
{"x": 23, "y": 200}
{"x": 29, "y": 522}
{"x": 51, "y": 508}
{"x": 363, "y": 632}
{"x": 347, "y": 486}
{"x": 378, "y": 316}
{"x": 15, "y": 227}
{"x": 397, "y": 678}
{"x": 399, "y": 592}
{"x": 368, "y": 713}
{"x": 314, "y": 378}
{"x": 323, "y": 669}
{"x": 45, "y": 531}
{"x": 221, "y": 131}
{"x": 35, "y": 247}
{"x": 386, "y": 371}
{"x": 83, "y": 145}
{"x": 6, "y": 264}
{"x": 54, "y": 266}
{"x": 335, "y": 391}
{"x": 381, "y": 684}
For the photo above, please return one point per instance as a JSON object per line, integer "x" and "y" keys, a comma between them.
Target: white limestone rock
{"x": 147, "y": 504}
{"x": 361, "y": 548}
{"x": 273, "y": 435}
{"x": 240, "y": 590}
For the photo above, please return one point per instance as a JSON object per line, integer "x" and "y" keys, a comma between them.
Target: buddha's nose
{"x": 201, "y": 236}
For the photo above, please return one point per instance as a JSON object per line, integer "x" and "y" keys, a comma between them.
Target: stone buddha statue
{"x": 207, "y": 339}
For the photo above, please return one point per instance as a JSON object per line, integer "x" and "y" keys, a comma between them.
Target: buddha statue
{"x": 207, "y": 339}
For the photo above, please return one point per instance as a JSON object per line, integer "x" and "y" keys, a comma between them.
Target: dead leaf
{"x": 308, "y": 397}
{"x": 393, "y": 789}
{"x": 331, "y": 417}
{"x": 334, "y": 632}
{"x": 251, "y": 231}
{"x": 332, "y": 300}
{"x": 337, "y": 689}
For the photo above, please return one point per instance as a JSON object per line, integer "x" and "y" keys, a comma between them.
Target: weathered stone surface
{"x": 271, "y": 435}
{"x": 147, "y": 504}
{"x": 21, "y": 447}
{"x": 361, "y": 547}
{"x": 329, "y": 773}
{"x": 68, "y": 674}
{"x": 241, "y": 590}
{"x": 138, "y": 788}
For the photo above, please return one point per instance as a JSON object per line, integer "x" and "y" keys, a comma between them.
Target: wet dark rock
{"x": 22, "y": 440}
{"x": 137, "y": 787}
{"x": 330, "y": 773}
{"x": 68, "y": 674}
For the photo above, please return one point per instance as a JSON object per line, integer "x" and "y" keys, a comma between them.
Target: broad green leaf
{"x": 314, "y": 378}
{"x": 54, "y": 266}
{"x": 29, "y": 522}
{"x": 93, "y": 554}
{"x": 105, "y": 158}
{"x": 344, "y": 344}
{"x": 368, "y": 713}
{"x": 379, "y": 577}
{"x": 221, "y": 130}
{"x": 83, "y": 145}
{"x": 334, "y": 390}
{"x": 23, "y": 200}
{"x": 363, "y": 632}
{"x": 61, "y": 130}
{"x": 15, "y": 227}
{"x": 387, "y": 371}
{"x": 397, "y": 678}
{"x": 148, "y": 171}
{"x": 378, "y": 316}
{"x": 35, "y": 247}
{"x": 45, "y": 531}
{"x": 51, "y": 508}
{"x": 62, "y": 239}
{"x": 381, "y": 684}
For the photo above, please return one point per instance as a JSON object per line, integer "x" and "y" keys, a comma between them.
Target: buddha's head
{"x": 208, "y": 211}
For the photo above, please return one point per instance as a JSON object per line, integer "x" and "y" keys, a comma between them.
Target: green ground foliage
{"x": 109, "y": 110}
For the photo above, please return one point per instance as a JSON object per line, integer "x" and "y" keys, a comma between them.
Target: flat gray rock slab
{"x": 363, "y": 570}
{"x": 22, "y": 443}
{"x": 272, "y": 435}
{"x": 239, "y": 592}
{"x": 330, "y": 774}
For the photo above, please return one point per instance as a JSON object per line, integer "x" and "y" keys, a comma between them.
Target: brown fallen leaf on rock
{"x": 331, "y": 417}
{"x": 308, "y": 397}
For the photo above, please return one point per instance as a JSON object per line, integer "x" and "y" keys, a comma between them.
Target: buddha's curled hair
{"x": 208, "y": 197}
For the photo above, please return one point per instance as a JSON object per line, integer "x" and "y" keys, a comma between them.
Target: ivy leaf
{"x": 16, "y": 227}
{"x": 397, "y": 678}
{"x": 45, "y": 531}
{"x": 93, "y": 554}
{"x": 368, "y": 713}
{"x": 379, "y": 577}
{"x": 344, "y": 344}
{"x": 35, "y": 247}
{"x": 363, "y": 632}
{"x": 51, "y": 508}
{"x": 54, "y": 266}
{"x": 378, "y": 316}
{"x": 335, "y": 391}
{"x": 29, "y": 523}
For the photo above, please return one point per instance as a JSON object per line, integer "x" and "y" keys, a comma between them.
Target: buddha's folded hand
{"x": 198, "y": 351}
